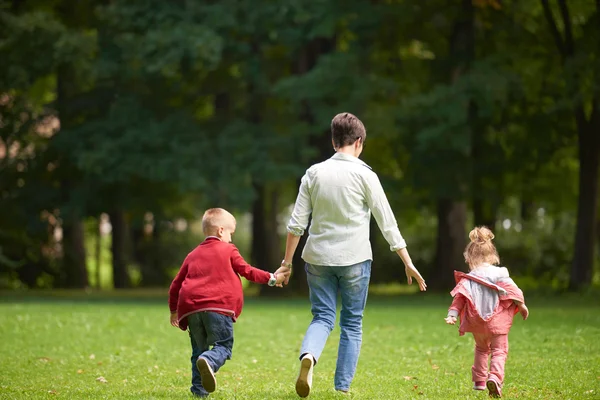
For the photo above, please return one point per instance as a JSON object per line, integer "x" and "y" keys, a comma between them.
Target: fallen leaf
{"x": 420, "y": 393}
{"x": 99, "y": 362}
{"x": 80, "y": 371}
{"x": 408, "y": 378}
{"x": 433, "y": 366}
{"x": 101, "y": 379}
{"x": 44, "y": 359}
{"x": 415, "y": 387}
{"x": 92, "y": 356}
{"x": 52, "y": 391}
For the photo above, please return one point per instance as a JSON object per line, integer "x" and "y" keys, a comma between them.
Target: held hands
{"x": 174, "y": 321}
{"x": 450, "y": 320}
{"x": 283, "y": 276}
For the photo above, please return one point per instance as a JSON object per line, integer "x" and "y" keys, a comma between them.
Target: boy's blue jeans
{"x": 352, "y": 282}
{"x": 209, "y": 329}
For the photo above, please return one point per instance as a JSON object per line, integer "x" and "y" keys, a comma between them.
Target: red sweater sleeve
{"x": 176, "y": 286}
{"x": 244, "y": 269}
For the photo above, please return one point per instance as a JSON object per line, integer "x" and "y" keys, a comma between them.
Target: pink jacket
{"x": 500, "y": 321}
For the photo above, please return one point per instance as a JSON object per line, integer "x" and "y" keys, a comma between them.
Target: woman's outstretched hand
{"x": 412, "y": 272}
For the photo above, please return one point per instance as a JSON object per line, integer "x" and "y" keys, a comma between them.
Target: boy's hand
{"x": 523, "y": 310}
{"x": 283, "y": 276}
{"x": 450, "y": 320}
{"x": 280, "y": 277}
{"x": 174, "y": 321}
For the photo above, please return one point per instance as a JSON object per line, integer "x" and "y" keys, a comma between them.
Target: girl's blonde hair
{"x": 481, "y": 249}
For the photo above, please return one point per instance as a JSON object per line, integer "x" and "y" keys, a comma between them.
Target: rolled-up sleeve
{"x": 302, "y": 209}
{"x": 380, "y": 207}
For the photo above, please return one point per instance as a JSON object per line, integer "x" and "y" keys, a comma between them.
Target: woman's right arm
{"x": 297, "y": 225}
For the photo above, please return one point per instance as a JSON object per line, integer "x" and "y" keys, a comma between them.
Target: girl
{"x": 486, "y": 299}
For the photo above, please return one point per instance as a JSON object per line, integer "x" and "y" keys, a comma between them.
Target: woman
{"x": 340, "y": 193}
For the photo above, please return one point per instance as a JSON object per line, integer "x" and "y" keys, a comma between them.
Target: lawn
{"x": 80, "y": 347}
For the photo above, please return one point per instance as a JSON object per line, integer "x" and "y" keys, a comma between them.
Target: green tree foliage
{"x": 477, "y": 111}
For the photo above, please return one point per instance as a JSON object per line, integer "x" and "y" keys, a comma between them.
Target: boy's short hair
{"x": 214, "y": 218}
{"x": 346, "y": 128}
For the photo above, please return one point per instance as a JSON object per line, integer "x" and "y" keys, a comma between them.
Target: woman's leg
{"x": 323, "y": 287}
{"x": 354, "y": 286}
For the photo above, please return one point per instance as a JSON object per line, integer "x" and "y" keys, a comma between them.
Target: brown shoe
{"x": 209, "y": 382}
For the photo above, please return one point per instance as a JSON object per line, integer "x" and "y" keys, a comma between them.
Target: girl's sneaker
{"x": 479, "y": 385}
{"x": 494, "y": 388}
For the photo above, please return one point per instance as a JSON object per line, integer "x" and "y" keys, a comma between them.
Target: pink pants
{"x": 497, "y": 345}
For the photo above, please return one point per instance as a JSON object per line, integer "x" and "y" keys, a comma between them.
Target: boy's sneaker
{"x": 479, "y": 385}
{"x": 494, "y": 388}
{"x": 304, "y": 381}
{"x": 209, "y": 382}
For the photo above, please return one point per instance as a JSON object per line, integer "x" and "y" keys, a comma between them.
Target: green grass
{"x": 57, "y": 346}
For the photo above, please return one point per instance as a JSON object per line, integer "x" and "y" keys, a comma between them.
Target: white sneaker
{"x": 304, "y": 381}
{"x": 209, "y": 382}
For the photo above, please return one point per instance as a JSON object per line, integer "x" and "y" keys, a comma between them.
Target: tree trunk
{"x": 588, "y": 131}
{"x": 587, "y": 204}
{"x": 119, "y": 249}
{"x": 74, "y": 254}
{"x": 484, "y": 213}
{"x": 451, "y": 241}
{"x": 98, "y": 253}
{"x": 527, "y": 209}
{"x": 273, "y": 248}
{"x": 452, "y": 212}
{"x": 260, "y": 246}
{"x": 306, "y": 60}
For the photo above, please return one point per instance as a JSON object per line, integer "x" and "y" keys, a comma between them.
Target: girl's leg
{"x": 499, "y": 346}
{"x": 479, "y": 370}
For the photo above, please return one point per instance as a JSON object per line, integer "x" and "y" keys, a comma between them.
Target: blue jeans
{"x": 209, "y": 329}
{"x": 352, "y": 282}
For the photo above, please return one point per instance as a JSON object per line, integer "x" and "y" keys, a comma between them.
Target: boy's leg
{"x": 482, "y": 353}
{"x": 323, "y": 287}
{"x": 219, "y": 329}
{"x": 199, "y": 345}
{"x": 354, "y": 286}
{"x": 499, "y": 346}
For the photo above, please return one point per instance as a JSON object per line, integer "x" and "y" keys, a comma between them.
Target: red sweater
{"x": 209, "y": 281}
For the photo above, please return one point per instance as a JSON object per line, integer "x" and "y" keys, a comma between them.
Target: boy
{"x": 206, "y": 296}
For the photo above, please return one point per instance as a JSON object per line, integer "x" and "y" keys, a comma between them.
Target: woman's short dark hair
{"x": 346, "y": 129}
